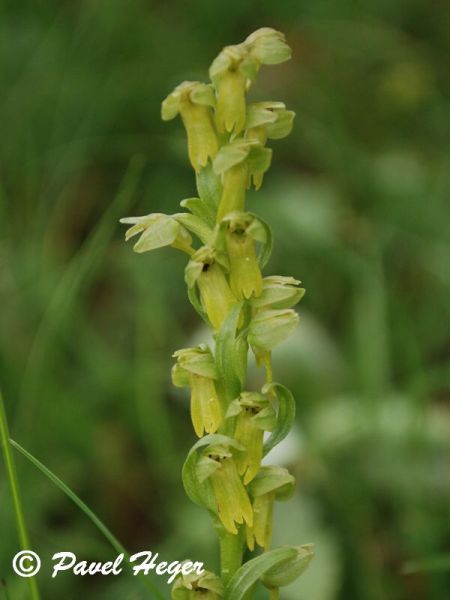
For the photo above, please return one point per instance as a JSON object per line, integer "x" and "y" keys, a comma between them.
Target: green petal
{"x": 180, "y": 377}
{"x": 206, "y": 410}
{"x": 245, "y": 274}
{"x": 192, "y": 272}
{"x": 289, "y": 570}
{"x": 202, "y": 139}
{"x": 259, "y": 160}
{"x": 261, "y": 113}
{"x": 203, "y": 94}
{"x": 161, "y": 232}
{"x": 268, "y": 46}
{"x": 198, "y": 361}
{"x": 233, "y": 504}
{"x": 216, "y": 295}
{"x": 261, "y": 532}
{"x": 282, "y": 127}
{"x": 231, "y": 102}
{"x": 275, "y": 480}
{"x": 251, "y": 437}
{"x": 269, "y": 328}
{"x": 207, "y": 586}
{"x": 206, "y": 467}
{"x": 279, "y": 292}
{"x": 232, "y": 154}
{"x": 170, "y": 107}
{"x": 234, "y": 188}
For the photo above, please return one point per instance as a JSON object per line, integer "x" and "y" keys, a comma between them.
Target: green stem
{"x": 274, "y": 594}
{"x": 266, "y": 361}
{"x": 15, "y": 493}
{"x": 231, "y": 553}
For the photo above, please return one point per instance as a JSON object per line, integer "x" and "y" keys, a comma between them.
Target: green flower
{"x": 158, "y": 230}
{"x": 241, "y": 232}
{"x": 193, "y": 101}
{"x": 233, "y": 505}
{"x": 235, "y": 68}
{"x": 207, "y": 273}
{"x": 268, "y": 328}
{"x": 195, "y": 367}
{"x": 268, "y": 120}
{"x": 198, "y": 587}
{"x": 288, "y": 571}
{"x": 230, "y": 73}
{"x": 270, "y": 484}
{"x": 238, "y": 163}
{"x": 278, "y": 292}
{"x": 254, "y": 415}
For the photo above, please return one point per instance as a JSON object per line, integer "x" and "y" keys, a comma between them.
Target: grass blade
{"x": 87, "y": 511}
{"x": 15, "y": 492}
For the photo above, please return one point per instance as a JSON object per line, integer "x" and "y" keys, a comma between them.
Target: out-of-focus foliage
{"x": 359, "y": 202}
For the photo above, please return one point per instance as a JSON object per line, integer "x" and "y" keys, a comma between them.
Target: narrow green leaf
{"x": 285, "y": 414}
{"x": 13, "y": 480}
{"x": 254, "y": 569}
{"x": 87, "y": 511}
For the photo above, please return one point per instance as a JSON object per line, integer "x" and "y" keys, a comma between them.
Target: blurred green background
{"x": 358, "y": 200}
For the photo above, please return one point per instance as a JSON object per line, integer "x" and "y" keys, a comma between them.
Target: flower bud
{"x": 158, "y": 230}
{"x": 289, "y": 570}
{"x": 216, "y": 296}
{"x": 278, "y": 292}
{"x": 207, "y": 586}
{"x": 270, "y": 484}
{"x": 233, "y": 504}
{"x": 193, "y": 101}
{"x": 268, "y": 328}
{"x": 245, "y": 275}
{"x": 254, "y": 415}
{"x": 196, "y": 368}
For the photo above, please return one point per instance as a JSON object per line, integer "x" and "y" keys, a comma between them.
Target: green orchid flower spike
{"x": 228, "y": 247}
